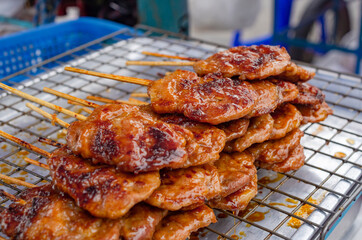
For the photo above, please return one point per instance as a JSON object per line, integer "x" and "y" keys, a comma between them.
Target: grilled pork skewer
{"x": 101, "y": 190}
{"x": 247, "y": 63}
{"x": 45, "y": 213}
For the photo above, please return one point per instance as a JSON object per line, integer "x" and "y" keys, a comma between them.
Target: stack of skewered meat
{"x": 145, "y": 172}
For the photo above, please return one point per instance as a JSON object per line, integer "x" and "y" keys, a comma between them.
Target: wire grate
{"x": 332, "y": 173}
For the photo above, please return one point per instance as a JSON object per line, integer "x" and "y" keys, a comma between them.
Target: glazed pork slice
{"x": 275, "y": 151}
{"x": 179, "y": 225}
{"x": 212, "y": 98}
{"x": 99, "y": 189}
{"x": 235, "y": 128}
{"x": 235, "y": 171}
{"x": 141, "y": 221}
{"x": 182, "y": 188}
{"x": 314, "y": 113}
{"x": 49, "y": 214}
{"x": 294, "y": 161}
{"x": 308, "y": 95}
{"x": 247, "y": 63}
{"x": 238, "y": 200}
{"x": 127, "y": 137}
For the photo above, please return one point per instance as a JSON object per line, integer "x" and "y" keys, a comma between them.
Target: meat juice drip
{"x": 304, "y": 211}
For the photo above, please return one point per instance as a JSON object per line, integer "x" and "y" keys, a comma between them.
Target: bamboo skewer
{"x": 70, "y": 97}
{"x": 42, "y": 102}
{"x": 51, "y": 142}
{"x": 24, "y": 144}
{"x": 139, "y": 81}
{"x": 37, "y": 163}
{"x": 102, "y": 99}
{"x": 169, "y": 56}
{"x": 16, "y": 181}
{"x": 12, "y": 198}
{"x": 160, "y": 63}
{"x": 139, "y": 94}
{"x": 52, "y": 117}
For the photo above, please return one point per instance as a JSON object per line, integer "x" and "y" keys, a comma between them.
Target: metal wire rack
{"x": 331, "y": 175}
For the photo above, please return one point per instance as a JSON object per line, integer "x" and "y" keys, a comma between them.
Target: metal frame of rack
{"x": 333, "y": 148}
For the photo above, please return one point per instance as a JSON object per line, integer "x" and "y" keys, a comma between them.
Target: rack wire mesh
{"x": 328, "y": 183}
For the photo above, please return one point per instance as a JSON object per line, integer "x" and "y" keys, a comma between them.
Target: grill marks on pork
{"x": 101, "y": 190}
{"x": 248, "y": 63}
{"x": 49, "y": 214}
{"x": 127, "y": 137}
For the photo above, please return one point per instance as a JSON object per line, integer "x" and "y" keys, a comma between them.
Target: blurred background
{"x": 326, "y": 33}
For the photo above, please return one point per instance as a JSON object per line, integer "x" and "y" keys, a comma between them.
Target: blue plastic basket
{"x": 27, "y": 48}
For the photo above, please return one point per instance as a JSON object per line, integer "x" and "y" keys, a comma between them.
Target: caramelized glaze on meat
{"x": 141, "y": 221}
{"x": 294, "y": 73}
{"x": 101, "y": 190}
{"x": 274, "y": 151}
{"x": 238, "y": 200}
{"x": 235, "y": 128}
{"x": 286, "y": 118}
{"x": 248, "y": 63}
{"x": 127, "y": 137}
{"x": 184, "y": 187}
{"x": 205, "y": 144}
{"x": 179, "y": 225}
{"x": 308, "y": 94}
{"x": 294, "y": 161}
{"x": 271, "y": 94}
{"x": 235, "y": 171}
{"x": 258, "y": 131}
{"x": 268, "y": 98}
{"x": 316, "y": 113}
{"x": 212, "y": 98}
{"x": 48, "y": 214}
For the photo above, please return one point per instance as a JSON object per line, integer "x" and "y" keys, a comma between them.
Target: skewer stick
{"x": 139, "y": 81}
{"x": 136, "y": 101}
{"x": 47, "y": 115}
{"x": 16, "y": 181}
{"x": 12, "y": 198}
{"x": 139, "y": 94}
{"x": 102, "y": 99}
{"x": 159, "y": 63}
{"x": 169, "y": 56}
{"x": 37, "y": 163}
{"x": 24, "y": 144}
{"x": 85, "y": 109}
{"x": 70, "y": 97}
{"x": 50, "y": 142}
{"x": 42, "y": 102}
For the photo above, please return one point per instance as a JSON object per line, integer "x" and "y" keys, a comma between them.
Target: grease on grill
{"x": 350, "y": 141}
{"x": 304, "y": 211}
{"x": 340, "y": 155}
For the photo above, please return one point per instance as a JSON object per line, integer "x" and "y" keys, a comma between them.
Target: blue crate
{"x": 24, "y": 49}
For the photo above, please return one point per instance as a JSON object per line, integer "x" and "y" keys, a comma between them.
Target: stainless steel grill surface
{"x": 331, "y": 176}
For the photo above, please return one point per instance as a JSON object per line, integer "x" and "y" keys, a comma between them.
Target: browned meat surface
{"x": 184, "y": 187}
{"x": 127, "y": 137}
{"x": 293, "y": 162}
{"x": 179, "y": 225}
{"x": 248, "y": 63}
{"x": 286, "y": 118}
{"x": 205, "y": 144}
{"x": 294, "y": 73}
{"x": 268, "y": 98}
{"x": 101, "y": 190}
{"x": 308, "y": 95}
{"x": 259, "y": 130}
{"x": 141, "y": 221}
{"x": 316, "y": 113}
{"x": 287, "y": 91}
{"x": 235, "y": 171}
{"x": 271, "y": 94}
{"x": 275, "y": 151}
{"x": 212, "y": 98}
{"x": 48, "y": 214}
{"x": 235, "y": 128}
{"x": 239, "y": 199}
